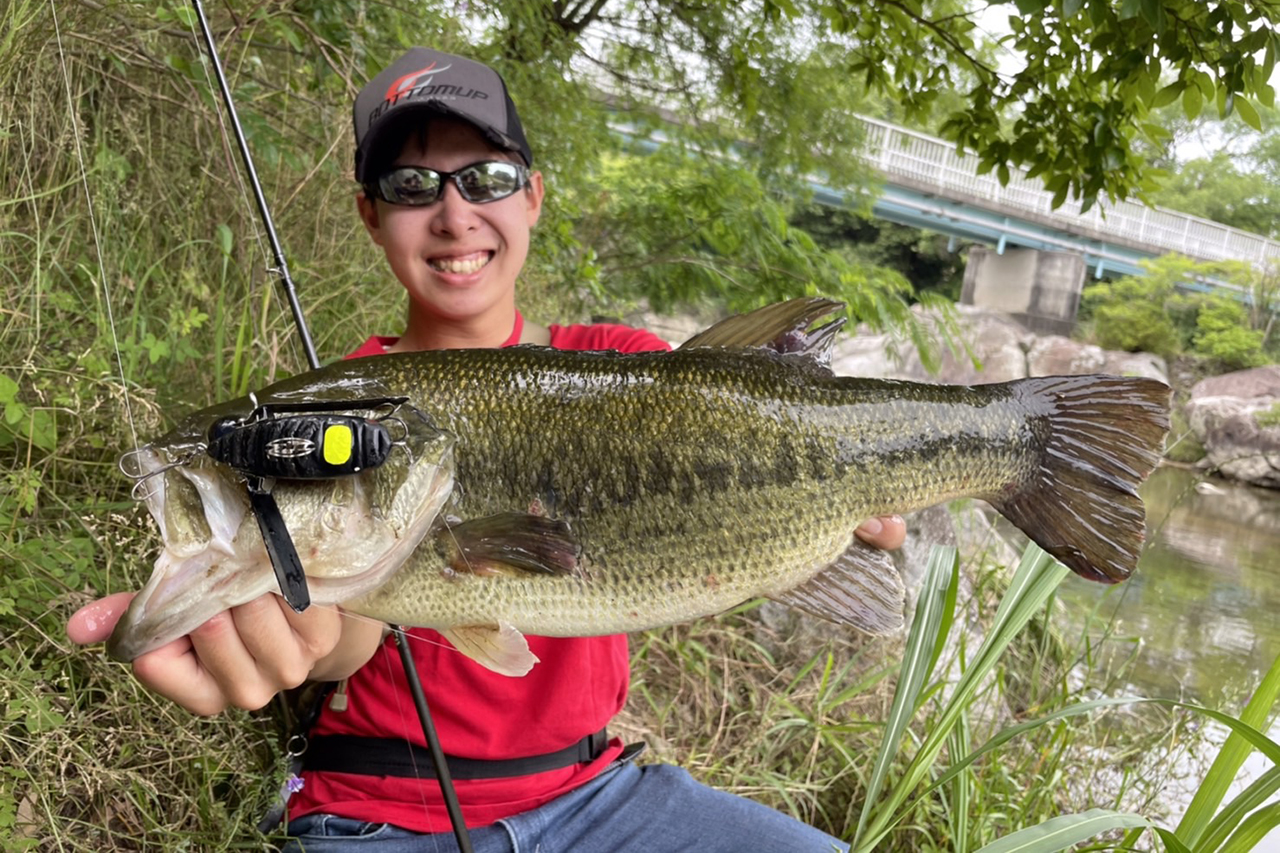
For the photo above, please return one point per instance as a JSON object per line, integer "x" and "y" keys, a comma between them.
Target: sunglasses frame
{"x": 522, "y": 181}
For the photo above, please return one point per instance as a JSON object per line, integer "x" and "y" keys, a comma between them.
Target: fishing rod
{"x": 284, "y": 557}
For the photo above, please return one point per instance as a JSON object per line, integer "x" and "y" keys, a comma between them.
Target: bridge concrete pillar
{"x": 1040, "y": 289}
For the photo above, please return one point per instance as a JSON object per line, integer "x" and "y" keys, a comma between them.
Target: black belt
{"x": 374, "y": 756}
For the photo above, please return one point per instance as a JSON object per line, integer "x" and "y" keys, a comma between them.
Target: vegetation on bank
{"x": 1229, "y": 323}
{"x": 134, "y": 288}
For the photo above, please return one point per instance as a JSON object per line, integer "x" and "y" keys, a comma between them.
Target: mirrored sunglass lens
{"x": 489, "y": 181}
{"x": 410, "y": 185}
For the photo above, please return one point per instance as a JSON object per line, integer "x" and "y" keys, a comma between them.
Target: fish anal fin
{"x": 781, "y": 327}
{"x": 512, "y": 544}
{"x": 500, "y": 648}
{"x": 861, "y": 588}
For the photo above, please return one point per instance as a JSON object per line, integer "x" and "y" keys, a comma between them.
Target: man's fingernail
{"x": 871, "y": 527}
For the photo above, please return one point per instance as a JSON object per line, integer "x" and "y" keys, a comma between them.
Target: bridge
{"x": 928, "y": 185}
{"x": 1041, "y": 255}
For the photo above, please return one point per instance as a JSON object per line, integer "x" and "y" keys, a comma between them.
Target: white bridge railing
{"x": 924, "y": 159}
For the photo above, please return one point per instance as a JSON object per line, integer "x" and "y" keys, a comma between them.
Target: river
{"x": 1204, "y": 602}
{"x": 1205, "y": 598}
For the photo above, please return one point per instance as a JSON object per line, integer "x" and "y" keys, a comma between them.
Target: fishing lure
{"x": 323, "y": 440}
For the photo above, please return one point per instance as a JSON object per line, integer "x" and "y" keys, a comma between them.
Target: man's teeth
{"x": 459, "y": 265}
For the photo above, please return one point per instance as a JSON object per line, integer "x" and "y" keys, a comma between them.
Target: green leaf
{"x": 927, "y": 635}
{"x": 224, "y": 239}
{"x": 1229, "y": 759}
{"x": 1172, "y": 844}
{"x": 8, "y": 389}
{"x": 43, "y": 430}
{"x": 1253, "y": 830}
{"x": 1130, "y": 9}
{"x": 1059, "y": 833}
{"x": 1230, "y": 815}
{"x": 1192, "y": 102}
{"x": 1168, "y": 94}
{"x": 1031, "y": 7}
{"x": 1248, "y": 114}
{"x": 1071, "y": 7}
{"x": 1036, "y": 579}
{"x": 1153, "y": 14}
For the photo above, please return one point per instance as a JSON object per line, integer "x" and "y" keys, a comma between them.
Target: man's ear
{"x": 368, "y": 210}
{"x": 533, "y": 197}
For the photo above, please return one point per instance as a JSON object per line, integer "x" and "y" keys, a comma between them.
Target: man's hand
{"x": 243, "y": 656}
{"x": 888, "y": 532}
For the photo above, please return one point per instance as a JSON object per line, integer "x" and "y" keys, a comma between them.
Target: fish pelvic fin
{"x": 500, "y": 648}
{"x": 782, "y": 327}
{"x": 862, "y": 588}
{"x": 512, "y": 544}
{"x": 1100, "y": 438}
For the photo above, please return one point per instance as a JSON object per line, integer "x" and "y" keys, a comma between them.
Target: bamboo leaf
{"x": 1227, "y": 763}
{"x": 1059, "y": 833}
{"x": 1172, "y": 844}
{"x": 1235, "y": 811}
{"x": 917, "y": 665}
{"x": 1253, "y": 830}
{"x": 1037, "y": 577}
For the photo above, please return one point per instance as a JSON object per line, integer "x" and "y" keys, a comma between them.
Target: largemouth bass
{"x": 579, "y": 493}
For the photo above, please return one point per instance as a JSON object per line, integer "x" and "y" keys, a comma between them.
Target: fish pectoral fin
{"x": 862, "y": 588}
{"x": 512, "y": 544}
{"x": 782, "y": 327}
{"x": 500, "y": 648}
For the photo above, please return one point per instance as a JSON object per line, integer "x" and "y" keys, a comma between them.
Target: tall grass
{"x": 134, "y": 287}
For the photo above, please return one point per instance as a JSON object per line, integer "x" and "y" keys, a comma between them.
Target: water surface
{"x": 1205, "y": 601}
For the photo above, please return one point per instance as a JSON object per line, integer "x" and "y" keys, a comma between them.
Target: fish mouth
{"x": 351, "y": 533}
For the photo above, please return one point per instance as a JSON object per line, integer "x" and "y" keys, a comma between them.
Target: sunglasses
{"x": 479, "y": 183}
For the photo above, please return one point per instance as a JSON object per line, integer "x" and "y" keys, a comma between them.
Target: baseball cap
{"x": 430, "y": 82}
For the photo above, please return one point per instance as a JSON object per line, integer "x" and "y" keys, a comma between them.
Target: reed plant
{"x": 134, "y": 286}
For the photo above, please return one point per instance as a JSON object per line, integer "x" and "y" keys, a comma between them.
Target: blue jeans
{"x": 656, "y": 808}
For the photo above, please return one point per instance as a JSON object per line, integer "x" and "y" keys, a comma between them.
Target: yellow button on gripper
{"x": 337, "y": 444}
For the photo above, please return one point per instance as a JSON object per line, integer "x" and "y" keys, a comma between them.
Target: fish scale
{"x": 581, "y": 493}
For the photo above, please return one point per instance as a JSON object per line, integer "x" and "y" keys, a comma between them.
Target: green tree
{"x": 1167, "y": 313}
{"x": 1236, "y": 181}
{"x": 1223, "y": 334}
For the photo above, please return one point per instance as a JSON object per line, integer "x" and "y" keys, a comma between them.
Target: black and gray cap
{"x": 428, "y": 81}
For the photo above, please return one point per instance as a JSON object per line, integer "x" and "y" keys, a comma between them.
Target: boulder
{"x": 1054, "y": 355}
{"x": 1145, "y": 364}
{"x": 996, "y": 341}
{"x": 1236, "y": 417}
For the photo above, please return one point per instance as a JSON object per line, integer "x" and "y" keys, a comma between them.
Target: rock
{"x": 1253, "y": 383}
{"x": 1145, "y": 364}
{"x": 997, "y": 342}
{"x": 1054, "y": 355}
{"x": 1236, "y": 417}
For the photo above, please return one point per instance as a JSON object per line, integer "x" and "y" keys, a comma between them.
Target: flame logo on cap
{"x": 412, "y": 80}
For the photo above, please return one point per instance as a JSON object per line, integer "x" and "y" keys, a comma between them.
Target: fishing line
{"x": 255, "y": 231}
{"x": 93, "y": 224}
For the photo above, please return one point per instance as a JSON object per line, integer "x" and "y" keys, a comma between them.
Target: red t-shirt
{"x": 578, "y": 686}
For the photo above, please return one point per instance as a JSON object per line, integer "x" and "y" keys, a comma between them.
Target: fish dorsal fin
{"x": 512, "y": 544}
{"x": 500, "y": 648}
{"x": 782, "y": 327}
{"x": 862, "y": 588}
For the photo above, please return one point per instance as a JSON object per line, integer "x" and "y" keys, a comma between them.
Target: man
{"x": 448, "y": 193}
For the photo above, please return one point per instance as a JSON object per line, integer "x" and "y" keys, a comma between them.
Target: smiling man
{"x": 449, "y": 193}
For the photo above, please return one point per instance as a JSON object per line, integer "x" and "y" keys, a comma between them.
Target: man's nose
{"x": 455, "y": 215}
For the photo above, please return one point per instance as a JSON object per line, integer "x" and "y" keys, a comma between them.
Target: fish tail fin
{"x": 1099, "y": 438}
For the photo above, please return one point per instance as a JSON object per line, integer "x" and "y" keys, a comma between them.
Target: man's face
{"x": 458, "y": 260}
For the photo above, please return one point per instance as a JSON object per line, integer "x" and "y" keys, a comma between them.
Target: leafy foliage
{"x": 1223, "y": 334}
{"x": 1162, "y": 312}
